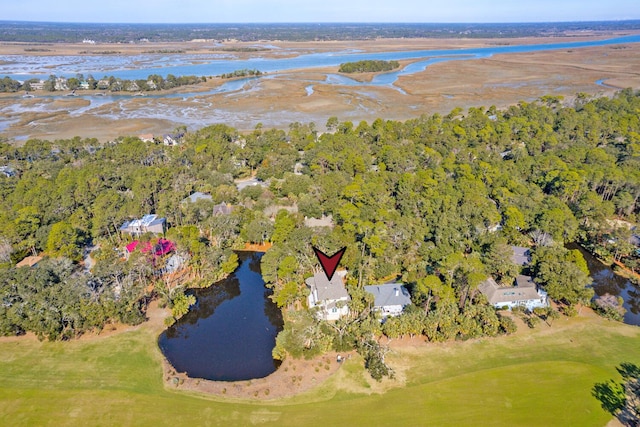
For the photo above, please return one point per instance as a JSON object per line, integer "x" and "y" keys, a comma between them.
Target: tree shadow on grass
{"x": 621, "y": 399}
{"x": 610, "y": 394}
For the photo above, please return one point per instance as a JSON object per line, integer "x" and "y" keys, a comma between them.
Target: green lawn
{"x": 542, "y": 378}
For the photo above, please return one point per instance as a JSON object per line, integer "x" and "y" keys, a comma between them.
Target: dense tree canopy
{"x": 435, "y": 200}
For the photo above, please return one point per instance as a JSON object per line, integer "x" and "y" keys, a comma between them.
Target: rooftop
{"x": 389, "y": 294}
{"x": 521, "y": 255}
{"x": 526, "y": 290}
{"x": 197, "y": 196}
{"x": 29, "y": 261}
{"x": 145, "y": 221}
{"x": 328, "y": 290}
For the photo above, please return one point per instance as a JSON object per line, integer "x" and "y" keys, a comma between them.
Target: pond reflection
{"x": 230, "y": 332}
{"x": 605, "y": 281}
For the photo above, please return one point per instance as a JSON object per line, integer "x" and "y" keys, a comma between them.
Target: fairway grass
{"x": 542, "y": 377}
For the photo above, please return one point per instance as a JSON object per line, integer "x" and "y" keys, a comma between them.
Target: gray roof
{"x": 526, "y": 290}
{"x": 523, "y": 281}
{"x": 328, "y": 290}
{"x": 389, "y": 294}
{"x": 222, "y": 209}
{"x": 144, "y": 222}
{"x": 521, "y": 255}
{"x": 197, "y": 196}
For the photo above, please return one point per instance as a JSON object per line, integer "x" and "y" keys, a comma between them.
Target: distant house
{"x": 330, "y": 297}
{"x": 84, "y": 85}
{"x": 61, "y": 84}
{"x": 241, "y": 184}
{"x": 133, "y": 87}
{"x": 521, "y": 255}
{"x": 146, "y": 224}
{"x": 172, "y": 138}
{"x": 39, "y": 85}
{"x": 174, "y": 263}
{"x": 389, "y": 299}
{"x": 222, "y": 209}
{"x": 103, "y": 84}
{"x": 7, "y": 171}
{"x": 325, "y": 221}
{"x": 525, "y": 294}
{"x": 197, "y": 196}
{"x": 29, "y": 261}
{"x": 146, "y": 137}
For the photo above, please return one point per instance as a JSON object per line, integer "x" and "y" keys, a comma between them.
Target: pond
{"x": 228, "y": 335}
{"x": 606, "y": 281}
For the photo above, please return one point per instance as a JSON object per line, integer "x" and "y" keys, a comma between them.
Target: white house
{"x": 389, "y": 299}
{"x": 525, "y": 294}
{"x": 330, "y": 297}
{"x": 146, "y": 224}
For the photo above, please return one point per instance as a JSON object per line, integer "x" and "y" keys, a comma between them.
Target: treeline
{"x": 7, "y": 84}
{"x": 241, "y": 73}
{"x": 368, "y": 66}
{"x": 435, "y": 201}
{"x": 153, "y": 82}
{"x": 51, "y": 32}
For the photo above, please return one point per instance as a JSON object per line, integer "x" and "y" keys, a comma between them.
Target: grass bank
{"x": 541, "y": 377}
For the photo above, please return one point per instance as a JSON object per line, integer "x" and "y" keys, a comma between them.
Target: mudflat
{"x": 304, "y": 95}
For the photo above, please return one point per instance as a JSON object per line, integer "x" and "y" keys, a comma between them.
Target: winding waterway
{"x": 230, "y": 332}
{"x": 125, "y": 67}
{"x": 196, "y": 109}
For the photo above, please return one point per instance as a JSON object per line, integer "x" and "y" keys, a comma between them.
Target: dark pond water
{"x": 230, "y": 332}
{"x": 606, "y": 281}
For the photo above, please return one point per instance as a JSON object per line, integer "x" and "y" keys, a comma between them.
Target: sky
{"x": 241, "y": 11}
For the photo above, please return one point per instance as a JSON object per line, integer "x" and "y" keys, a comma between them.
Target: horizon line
{"x": 335, "y": 22}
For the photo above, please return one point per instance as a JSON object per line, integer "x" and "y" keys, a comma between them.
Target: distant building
{"x": 389, "y": 299}
{"x": 521, "y": 255}
{"x": 525, "y": 294}
{"x": 172, "y": 138}
{"x": 61, "y": 84}
{"x": 146, "y": 224}
{"x": 222, "y": 209}
{"x": 39, "y": 85}
{"x": 325, "y": 221}
{"x": 249, "y": 183}
{"x": 103, "y": 84}
{"x": 146, "y": 137}
{"x": 197, "y": 196}
{"x": 30, "y": 261}
{"x": 330, "y": 297}
{"x": 174, "y": 263}
{"x": 132, "y": 87}
{"x": 7, "y": 171}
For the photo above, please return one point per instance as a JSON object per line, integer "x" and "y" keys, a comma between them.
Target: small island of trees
{"x": 368, "y": 66}
{"x": 242, "y": 73}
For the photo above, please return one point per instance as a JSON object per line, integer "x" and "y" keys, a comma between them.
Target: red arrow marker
{"x": 329, "y": 263}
